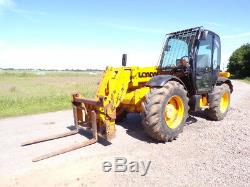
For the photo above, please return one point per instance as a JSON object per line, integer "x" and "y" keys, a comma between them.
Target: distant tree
{"x": 239, "y": 62}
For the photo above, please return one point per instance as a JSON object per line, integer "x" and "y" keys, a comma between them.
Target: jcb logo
{"x": 147, "y": 74}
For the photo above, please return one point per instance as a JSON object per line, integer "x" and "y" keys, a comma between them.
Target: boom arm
{"x": 119, "y": 87}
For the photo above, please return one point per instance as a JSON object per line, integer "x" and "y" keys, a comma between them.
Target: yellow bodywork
{"x": 204, "y": 101}
{"x": 120, "y": 88}
{"x": 224, "y": 74}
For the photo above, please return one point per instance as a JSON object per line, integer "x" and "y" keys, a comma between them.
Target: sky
{"x": 80, "y": 34}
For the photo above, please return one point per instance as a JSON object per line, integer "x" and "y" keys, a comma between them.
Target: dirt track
{"x": 207, "y": 153}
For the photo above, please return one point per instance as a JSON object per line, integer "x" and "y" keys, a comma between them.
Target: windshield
{"x": 175, "y": 48}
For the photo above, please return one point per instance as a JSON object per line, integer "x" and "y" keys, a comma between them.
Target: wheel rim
{"x": 174, "y": 112}
{"x": 224, "y": 102}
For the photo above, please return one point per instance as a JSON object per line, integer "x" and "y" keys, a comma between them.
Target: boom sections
{"x": 118, "y": 83}
{"x": 122, "y": 87}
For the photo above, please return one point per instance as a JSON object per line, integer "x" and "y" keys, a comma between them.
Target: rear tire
{"x": 219, "y": 103}
{"x": 164, "y": 111}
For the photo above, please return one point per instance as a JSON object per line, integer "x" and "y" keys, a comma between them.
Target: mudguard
{"x": 223, "y": 80}
{"x": 161, "y": 80}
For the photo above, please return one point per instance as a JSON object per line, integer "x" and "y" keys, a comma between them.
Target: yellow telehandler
{"x": 187, "y": 78}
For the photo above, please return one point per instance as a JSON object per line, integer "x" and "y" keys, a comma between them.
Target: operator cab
{"x": 197, "y": 53}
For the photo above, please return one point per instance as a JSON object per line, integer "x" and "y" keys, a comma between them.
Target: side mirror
{"x": 203, "y": 35}
{"x": 124, "y": 59}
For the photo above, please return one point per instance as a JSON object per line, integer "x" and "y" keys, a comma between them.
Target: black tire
{"x": 153, "y": 109}
{"x": 215, "y": 111}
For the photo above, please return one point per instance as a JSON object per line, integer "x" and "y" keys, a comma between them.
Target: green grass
{"x": 30, "y": 92}
{"x": 247, "y": 80}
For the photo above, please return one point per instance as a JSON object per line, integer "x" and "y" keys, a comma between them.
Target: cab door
{"x": 203, "y": 73}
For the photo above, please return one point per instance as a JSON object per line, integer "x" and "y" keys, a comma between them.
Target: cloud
{"x": 132, "y": 28}
{"x": 7, "y": 3}
{"x": 2, "y": 44}
{"x": 27, "y": 12}
{"x": 234, "y": 36}
{"x": 59, "y": 57}
{"x": 11, "y": 6}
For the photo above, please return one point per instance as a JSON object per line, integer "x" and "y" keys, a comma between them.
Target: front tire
{"x": 164, "y": 111}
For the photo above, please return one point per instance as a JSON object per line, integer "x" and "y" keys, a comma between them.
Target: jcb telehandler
{"x": 188, "y": 77}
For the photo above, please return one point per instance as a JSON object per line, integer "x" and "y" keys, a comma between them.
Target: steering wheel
{"x": 182, "y": 67}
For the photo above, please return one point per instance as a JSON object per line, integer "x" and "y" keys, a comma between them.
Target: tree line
{"x": 239, "y": 62}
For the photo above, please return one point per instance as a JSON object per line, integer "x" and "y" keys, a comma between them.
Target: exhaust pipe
{"x": 124, "y": 59}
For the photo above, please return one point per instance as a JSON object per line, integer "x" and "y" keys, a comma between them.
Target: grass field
{"x": 247, "y": 80}
{"x": 30, "y": 92}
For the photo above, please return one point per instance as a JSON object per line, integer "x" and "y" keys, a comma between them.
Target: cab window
{"x": 204, "y": 55}
{"x": 216, "y": 53}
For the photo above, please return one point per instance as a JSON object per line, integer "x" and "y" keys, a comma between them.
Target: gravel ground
{"x": 207, "y": 153}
